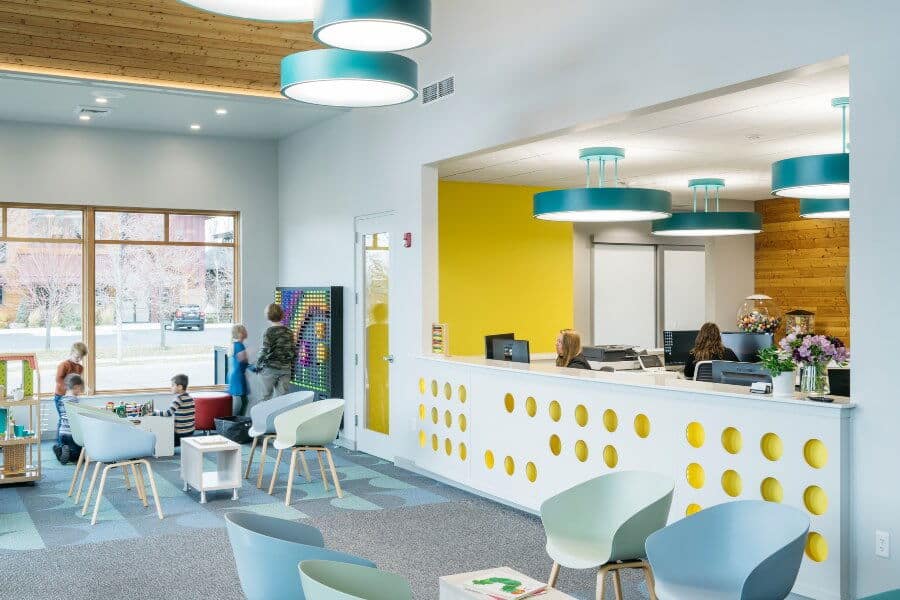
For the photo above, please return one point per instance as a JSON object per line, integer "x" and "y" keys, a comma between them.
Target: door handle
{"x": 389, "y": 358}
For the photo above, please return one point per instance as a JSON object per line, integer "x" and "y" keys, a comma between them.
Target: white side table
{"x": 164, "y": 428}
{"x": 453, "y": 587}
{"x": 227, "y": 475}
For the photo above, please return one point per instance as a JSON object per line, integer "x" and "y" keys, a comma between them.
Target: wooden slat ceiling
{"x": 155, "y": 42}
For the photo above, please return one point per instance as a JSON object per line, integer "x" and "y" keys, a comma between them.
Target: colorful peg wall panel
{"x": 316, "y": 316}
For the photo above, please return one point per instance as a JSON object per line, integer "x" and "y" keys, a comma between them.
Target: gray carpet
{"x": 420, "y": 542}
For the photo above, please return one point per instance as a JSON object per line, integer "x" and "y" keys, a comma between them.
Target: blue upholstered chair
{"x": 327, "y": 580}
{"x": 267, "y": 551}
{"x": 748, "y": 550}
{"x": 604, "y": 522}
{"x": 891, "y": 595}
{"x": 263, "y": 416}
{"x": 118, "y": 445}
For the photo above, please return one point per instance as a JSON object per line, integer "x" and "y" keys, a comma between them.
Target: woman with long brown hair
{"x": 708, "y": 346}
{"x": 568, "y": 350}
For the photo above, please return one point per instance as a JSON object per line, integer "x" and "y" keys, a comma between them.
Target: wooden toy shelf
{"x": 21, "y": 456}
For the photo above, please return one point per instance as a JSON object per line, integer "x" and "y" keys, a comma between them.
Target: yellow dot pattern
{"x": 509, "y": 465}
{"x": 771, "y": 491}
{"x": 816, "y": 500}
{"x": 581, "y": 415}
{"x": 692, "y": 509}
{"x": 461, "y": 393}
{"x": 695, "y": 434}
{"x": 448, "y": 446}
{"x": 555, "y": 445}
{"x": 696, "y": 476}
{"x": 448, "y": 419}
{"x": 771, "y": 447}
{"x": 531, "y": 472}
{"x": 555, "y": 411}
{"x": 816, "y": 547}
{"x": 509, "y": 403}
{"x": 463, "y": 423}
{"x": 422, "y": 385}
{"x": 463, "y": 451}
{"x": 434, "y": 442}
{"x": 610, "y": 420}
{"x": 423, "y": 438}
{"x": 581, "y": 450}
{"x": 530, "y": 406}
{"x": 434, "y": 388}
{"x": 434, "y": 415}
{"x": 421, "y": 412}
{"x": 610, "y": 456}
{"x": 732, "y": 440}
{"x": 815, "y": 453}
{"x": 642, "y": 426}
{"x": 448, "y": 391}
{"x": 731, "y": 483}
{"x": 489, "y": 459}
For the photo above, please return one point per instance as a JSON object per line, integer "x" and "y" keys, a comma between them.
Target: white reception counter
{"x": 521, "y": 433}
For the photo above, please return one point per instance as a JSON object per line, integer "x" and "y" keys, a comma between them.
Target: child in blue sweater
{"x": 66, "y": 450}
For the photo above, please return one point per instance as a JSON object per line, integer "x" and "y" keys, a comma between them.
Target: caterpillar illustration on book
{"x": 510, "y": 586}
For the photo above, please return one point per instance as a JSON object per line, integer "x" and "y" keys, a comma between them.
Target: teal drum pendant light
{"x": 825, "y": 208}
{"x": 821, "y": 176}
{"x": 346, "y": 78}
{"x": 262, "y": 10}
{"x": 601, "y": 203}
{"x": 708, "y": 223}
{"x": 374, "y": 25}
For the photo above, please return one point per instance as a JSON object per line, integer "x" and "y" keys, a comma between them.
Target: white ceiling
{"x": 39, "y": 99}
{"x": 735, "y": 136}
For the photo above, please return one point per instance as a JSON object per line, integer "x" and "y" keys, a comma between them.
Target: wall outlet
{"x": 882, "y": 544}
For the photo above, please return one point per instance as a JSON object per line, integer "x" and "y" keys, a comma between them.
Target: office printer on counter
{"x": 609, "y": 353}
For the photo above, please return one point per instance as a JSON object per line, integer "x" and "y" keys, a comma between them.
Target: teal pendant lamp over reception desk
{"x": 268, "y": 10}
{"x": 708, "y": 223}
{"x": 820, "y": 176}
{"x": 825, "y": 208}
{"x": 373, "y": 25}
{"x": 346, "y": 78}
{"x": 601, "y": 203}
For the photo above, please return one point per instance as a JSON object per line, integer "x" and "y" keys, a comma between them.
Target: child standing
{"x": 64, "y": 369}
{"x": 181, "y": 409}
{"x": 66, "y": 449}
{"x": 237, "y": 384}
{"x": 277, "y": 355}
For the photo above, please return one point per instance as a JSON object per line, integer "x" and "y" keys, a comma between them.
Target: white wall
{"x": 78, "y": 165}
{"x": 528, "y": 69}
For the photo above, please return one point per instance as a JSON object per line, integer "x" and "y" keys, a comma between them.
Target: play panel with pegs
{"x": 20, "y": 420}
{"x": 316, "y": 316}
{"x": 524, "y": 433}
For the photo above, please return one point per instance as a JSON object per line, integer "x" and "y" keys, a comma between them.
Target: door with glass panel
{"x": 374, "y": 242}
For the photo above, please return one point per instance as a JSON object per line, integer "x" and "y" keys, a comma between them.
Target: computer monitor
{"x": 739, "y": 373}
{"x": 651, "y": 361}
{"x": 511, "y": 350}
{"x": 747, "y": 345}
{"x": 678, "y": 345}
{"x": 839, "y": 382}
{"x": 489, "y": 343}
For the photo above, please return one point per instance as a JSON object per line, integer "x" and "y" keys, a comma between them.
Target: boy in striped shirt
{"x": 182, "y": 409}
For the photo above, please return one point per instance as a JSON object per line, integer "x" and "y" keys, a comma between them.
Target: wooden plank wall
{"x": 802, "y": 263}
{"x": 156, "y": 42}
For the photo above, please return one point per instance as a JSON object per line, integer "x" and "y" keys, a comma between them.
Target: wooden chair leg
{"x": 601, "y": 582}
{"x": 651, "y": 582}
{"x": 146, "y": 464}
{"x": 305, "y": 466}
{"x": 322, "y": 469}
{"x": 250, "y": 460}
{"x": 139, "y": 482}
{"x": 84, "y": 471}
{"x": 100, "y": 491}
{"x": 125, "y": 475}
{"x": 275, "y": 471}
{"x": 262, "y": 462}
{"x": 617, "y": 583}
{"x": 87, "y": 499}
{"x": 290, "y": 482}
{"x": 337, "y": 483}
{"x": 78, "y": 465}
{"x": 554, "y": 575}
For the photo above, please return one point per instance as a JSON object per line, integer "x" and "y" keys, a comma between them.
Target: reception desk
{"x": 521, "y": 433}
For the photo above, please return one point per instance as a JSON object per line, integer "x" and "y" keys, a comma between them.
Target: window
{"x": 163, "y": 293}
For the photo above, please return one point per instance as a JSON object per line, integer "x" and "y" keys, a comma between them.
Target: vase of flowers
{"x": 781, "y": 367}
{"x": 813, "y": 354}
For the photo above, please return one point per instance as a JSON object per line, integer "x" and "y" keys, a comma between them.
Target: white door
{"x": 375, "y": 241}
{"x": 624, "y": 294}
{"x": 684, "y": 288}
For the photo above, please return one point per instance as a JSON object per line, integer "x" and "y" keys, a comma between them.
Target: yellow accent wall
{"x": 500, "y": 269}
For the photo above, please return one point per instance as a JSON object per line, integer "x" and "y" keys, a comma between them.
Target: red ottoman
{"x": 209, "y": 406}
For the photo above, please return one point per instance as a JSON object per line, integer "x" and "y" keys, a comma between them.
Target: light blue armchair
{"x": 118, "y": 445}
{"x": 748, "y": 550}
{"x": 263, "y": 425}
{"x": 328, "y": 580}
{"x": 74, "y": 411}
{"x": 267, "y": 551}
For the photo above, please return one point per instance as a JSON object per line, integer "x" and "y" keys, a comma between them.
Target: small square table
{"x": 453, "y": 587}
{"x": 227, "y": 475}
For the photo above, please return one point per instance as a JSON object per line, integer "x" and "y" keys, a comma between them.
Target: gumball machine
{"x": 759, "y": 314}
{"x": 801, "y": 321}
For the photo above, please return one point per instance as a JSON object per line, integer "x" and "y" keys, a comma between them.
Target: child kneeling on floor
{"x": 65, "y": 449}
{"x": 181, "y": 409}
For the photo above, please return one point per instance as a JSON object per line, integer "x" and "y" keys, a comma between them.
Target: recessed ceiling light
{"x": 84, "y": 117}
{"x": 102, "y": 100}
{"x": 195, "y": 126}
{"x": 221, "y": 111}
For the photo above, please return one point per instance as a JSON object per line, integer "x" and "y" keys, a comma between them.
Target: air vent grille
{"x": 437, "y": 91}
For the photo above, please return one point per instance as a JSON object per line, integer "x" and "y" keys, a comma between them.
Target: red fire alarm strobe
{"x": 407, "y": 239}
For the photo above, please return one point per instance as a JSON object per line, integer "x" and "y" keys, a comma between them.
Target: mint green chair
{"x": 308, "y": 427}
{"x": 891, "y": 595}
{"x": 328, "y": 580}
{"x": 604, "y": 522}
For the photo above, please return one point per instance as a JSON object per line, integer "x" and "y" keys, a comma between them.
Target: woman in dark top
{"x": 707, "y": 347}
{"x": 568, "y": 350}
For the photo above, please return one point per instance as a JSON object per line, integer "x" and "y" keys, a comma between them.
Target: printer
{"x": 609, "y": 353}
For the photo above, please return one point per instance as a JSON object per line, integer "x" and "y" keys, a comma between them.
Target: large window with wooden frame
{"x": 151, "y": 292}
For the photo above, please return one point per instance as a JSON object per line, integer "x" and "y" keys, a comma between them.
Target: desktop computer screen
{"x": 678, "y": 345}
{"x": 747, "y": 345}
{"x": 489, "y": 343}
{"x": 511, "y": 350}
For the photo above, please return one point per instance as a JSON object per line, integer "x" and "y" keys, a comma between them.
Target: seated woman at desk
{"x": 568, "y": 350}
{"x": 708, "y": 346}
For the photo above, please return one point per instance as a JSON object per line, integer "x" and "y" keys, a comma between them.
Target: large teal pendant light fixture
{"x": 262, "y": 10}
{"x": 602, "y": 203}
{"x": 708, "y": 223}
{"x": 374, "y": 25}
{"x": 334, "y": 77}
{"x": 822, "y": 208}
{"x": 821, "y": 176}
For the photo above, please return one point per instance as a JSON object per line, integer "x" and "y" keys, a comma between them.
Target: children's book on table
{"x": 505, "y": 584}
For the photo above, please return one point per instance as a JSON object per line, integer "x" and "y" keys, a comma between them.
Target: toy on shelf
{"x": 20, "y": 443}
